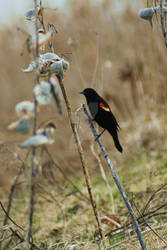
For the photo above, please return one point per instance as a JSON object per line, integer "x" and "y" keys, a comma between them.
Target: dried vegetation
{"x": 124, "y": 60}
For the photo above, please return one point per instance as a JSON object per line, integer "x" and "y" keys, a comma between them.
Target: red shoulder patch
{"x": 103, "y": 106}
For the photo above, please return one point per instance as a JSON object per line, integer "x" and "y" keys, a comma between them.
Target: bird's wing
{"x": 104, "y": 106}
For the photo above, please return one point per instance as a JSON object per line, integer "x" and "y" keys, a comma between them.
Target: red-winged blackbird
{"x": 102, "y": 114}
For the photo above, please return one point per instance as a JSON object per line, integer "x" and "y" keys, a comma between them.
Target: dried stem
{"x": 56, "y": 97}
{"x": 10, "y": 217}
{"x": 31, "y": 168}
{"x": 140, "y": 219}
{"x": 83, "y": 162}
{"x": 12, "y": 189}
{"x": 53, "y": 198}
{"x": 64, "y": 175}
{"x": 150, "y": 226}
{"x": 152, "y": 197}
{"x": 31, "y": 199}
{"x": 134, "y": 236}
{"x": 33, "y": 246}
{"x": 104, "y": 177}
{"x": 127, "y": 203}
{"x": 41, "y": 16}
{"x": 163, "y": 23}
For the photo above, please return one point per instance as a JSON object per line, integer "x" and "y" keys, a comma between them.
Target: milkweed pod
{"x": 21, "y": 126}
{"x": 42, "y": 93}
{"x": 48, "y": 130}
{"x": 31, "y": 14}
{"x": 36, "y": 141}
{"x": 66, "y": 65}
{"x": 147, "y": 14}
{"x": 157, "y": 9}
{"x": 54, "y": 85}
{"x": 30, "y": 68}
{"x": 45, "y": 87}
{"x": 55, "y": 91}
{"x": 57, "y": 68}
{"x": 25, "y": 108}
{"x": 50, "y": 56}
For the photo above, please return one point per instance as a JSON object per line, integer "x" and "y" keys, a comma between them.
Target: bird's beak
{"x": 82, "y": 92}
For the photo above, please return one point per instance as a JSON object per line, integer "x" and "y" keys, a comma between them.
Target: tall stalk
{"x": 83, "y": 161}
{"x": 33, "y": 151}
{"x": 115, "y": 177}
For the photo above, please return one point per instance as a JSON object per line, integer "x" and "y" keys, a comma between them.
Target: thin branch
{"x": 33, "y": 246}
{"x": 31, "y": 199}
{"x": 104, "y": 177}
{"x": 53, "y": 198}
{"x": 147, "y": 216}
{"x": 31, "y": 168}
{"x": 120, "y": 188}
{"x": 150, "y": 226}
{"x": 163, "y": 23}
{"x": 134, "y": 236}
{"x": 12, "y": 189}
{"x": 64, "y": 175}
{"x": 41, "y": 16}
{"x": 83, "y": 161}
{"x": 152, "y": 197}
{"x": 155, "y": 210}
{"x": 10, "y": 217}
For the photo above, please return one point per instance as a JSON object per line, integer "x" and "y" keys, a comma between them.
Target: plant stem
{"x": 13, "y": 187}
{"x": 104, "y": 177}
{"x": 162, "y": 23}
{"x": 33, "y": 152}
{"x": 83, "y": 162}
{"x": 127, "y": 203}
{"x": 31, "y": 199}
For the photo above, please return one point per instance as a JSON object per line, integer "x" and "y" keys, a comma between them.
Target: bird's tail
{"x": 116, "y": 141}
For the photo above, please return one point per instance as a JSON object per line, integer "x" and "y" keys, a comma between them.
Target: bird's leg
{"x": 97, "y": 137}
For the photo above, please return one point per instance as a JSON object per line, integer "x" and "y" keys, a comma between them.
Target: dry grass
{"x": 134, "y": 84}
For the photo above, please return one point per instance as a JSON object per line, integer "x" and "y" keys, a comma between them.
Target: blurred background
{"x": 110, "y": 49}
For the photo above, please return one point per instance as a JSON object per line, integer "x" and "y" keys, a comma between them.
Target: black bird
{"x": 101, "y": 113}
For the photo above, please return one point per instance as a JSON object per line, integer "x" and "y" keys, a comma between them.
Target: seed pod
{"x": 55, "y": 90}
{"x": 66, "y": 65}
{"x": 42, "y": 93}
{"x": 50, "y": 56}
{"x": 57, "y": 69}
{"x": 48, "y": 130}
{"x": 36, "y": 141}
{"x": 157, "y": 9}
{"x": 147, "y": 14}
{"x": 25, "y": 108}
{"x": 30, "y": 68}
{"x": 21, "y": 126}
{"x": 31, "y": 14}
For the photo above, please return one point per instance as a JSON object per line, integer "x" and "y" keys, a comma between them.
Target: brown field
{"x": 125, "y": 61}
